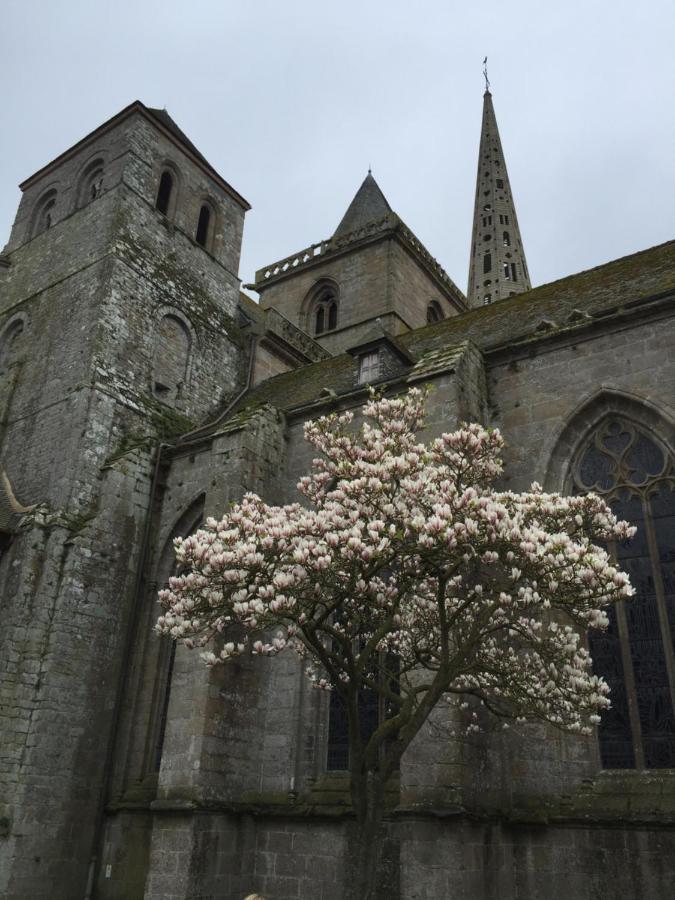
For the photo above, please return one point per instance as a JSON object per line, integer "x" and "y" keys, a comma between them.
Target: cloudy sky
{"x": 293, "y": 101}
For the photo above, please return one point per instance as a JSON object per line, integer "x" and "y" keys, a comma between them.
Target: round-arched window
{"x": 43, "y": 217}
{"x": 91, "y": 183}
{"x": 636, "y": 475}
{"x": 165, "y": 192}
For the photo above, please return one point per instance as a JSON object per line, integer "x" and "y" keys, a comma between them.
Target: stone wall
{"x": 80, "y": 422}
{"x": 375, "y": 280}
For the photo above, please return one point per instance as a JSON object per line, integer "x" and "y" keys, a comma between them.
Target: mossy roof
{"x": 559, "y": 305}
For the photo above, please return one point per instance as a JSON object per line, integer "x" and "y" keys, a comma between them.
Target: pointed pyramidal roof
{"x": 497, "y": 267}
{"x": 368, "y": 205}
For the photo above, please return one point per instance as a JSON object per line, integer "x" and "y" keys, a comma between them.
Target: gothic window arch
{"x": 434, "y": 312}
{"x": 188, "y": 523}
{"x": 90, "y": 186}
{"x": 372, "y": 708}
{"x": 635, "y": 472}
{"x": 155, "y": 689}
{"x": 171, "y": 357}
{"x": 43, "y": 215}
{"x": 323, "y": 308}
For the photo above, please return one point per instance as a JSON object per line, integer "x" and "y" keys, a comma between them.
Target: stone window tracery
{"x": 636, "y": 475}
{"x": 325, "y": 309}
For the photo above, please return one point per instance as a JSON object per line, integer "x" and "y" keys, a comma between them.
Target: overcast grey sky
{"x": 292, "y": 101}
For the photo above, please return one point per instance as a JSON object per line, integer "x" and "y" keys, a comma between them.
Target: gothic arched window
{"x": 636, "y": 475}
{"x": 324, "y": 315}
{"x": 434, "y": 312}
{"x": 166, "y": 657}
{"x": 373, "y": 709}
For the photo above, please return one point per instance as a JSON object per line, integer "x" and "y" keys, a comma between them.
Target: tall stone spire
{"x": 497, "y": 267}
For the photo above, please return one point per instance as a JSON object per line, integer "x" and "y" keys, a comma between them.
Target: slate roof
{"x": 159, "y": 117}
{"x": 162, "y": 116}
{"x": 560, "y": 305}
{"x": 368, "y": 205}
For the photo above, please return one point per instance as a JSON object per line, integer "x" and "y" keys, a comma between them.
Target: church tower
{"x": 497, "y": 267}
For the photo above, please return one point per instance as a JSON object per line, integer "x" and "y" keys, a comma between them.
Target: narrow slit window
{"x": 506, "y": 271}
{"x": 506, "y": 239}
{"x": 332, "y": 315}
{"x": 487, "y": 263}
{"x": 514, "y": 273}
{"x": 203, "y": 224}
{"x": 164, "y": 193}
{"x": 319, "y": 322}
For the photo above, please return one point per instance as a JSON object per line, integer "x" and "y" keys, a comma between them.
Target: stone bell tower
{"x": 118, "y": 330}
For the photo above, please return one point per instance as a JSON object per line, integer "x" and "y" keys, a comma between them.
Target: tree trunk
{"x": 365, "y": 846}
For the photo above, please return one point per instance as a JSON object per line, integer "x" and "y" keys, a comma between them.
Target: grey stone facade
{"x": 139, "y": 393}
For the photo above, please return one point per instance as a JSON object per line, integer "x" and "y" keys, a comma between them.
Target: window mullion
{"x": 629, "y": 676}
{"x": 661, "y": 606}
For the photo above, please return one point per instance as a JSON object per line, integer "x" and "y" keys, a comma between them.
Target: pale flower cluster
{"x": 406, "y": 552}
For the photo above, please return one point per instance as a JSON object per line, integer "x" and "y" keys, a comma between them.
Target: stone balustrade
{"x": 296, "y": 337}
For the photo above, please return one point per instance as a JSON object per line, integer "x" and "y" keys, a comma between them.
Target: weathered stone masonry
{"x": 139, "y": 394}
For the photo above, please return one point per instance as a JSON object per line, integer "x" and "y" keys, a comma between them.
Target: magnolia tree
{"x": 406, "y": 573}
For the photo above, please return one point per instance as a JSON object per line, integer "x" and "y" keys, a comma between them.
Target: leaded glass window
{"x": 636, "y": 475}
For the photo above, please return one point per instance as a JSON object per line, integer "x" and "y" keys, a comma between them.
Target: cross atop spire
{"x": 485, "y": 75}
{"x": 497, "y": 267}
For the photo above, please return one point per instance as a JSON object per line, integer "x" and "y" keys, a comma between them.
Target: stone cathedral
{"x": 141, "y": 390}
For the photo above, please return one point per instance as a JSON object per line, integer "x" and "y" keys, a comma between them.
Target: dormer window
{"x": 369, "y": 367}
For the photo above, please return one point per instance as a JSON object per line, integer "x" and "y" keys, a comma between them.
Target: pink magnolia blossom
{"x": 405, "y": 564}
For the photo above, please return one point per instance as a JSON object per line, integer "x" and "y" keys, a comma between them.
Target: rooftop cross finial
{"x": 485, "y": 75}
